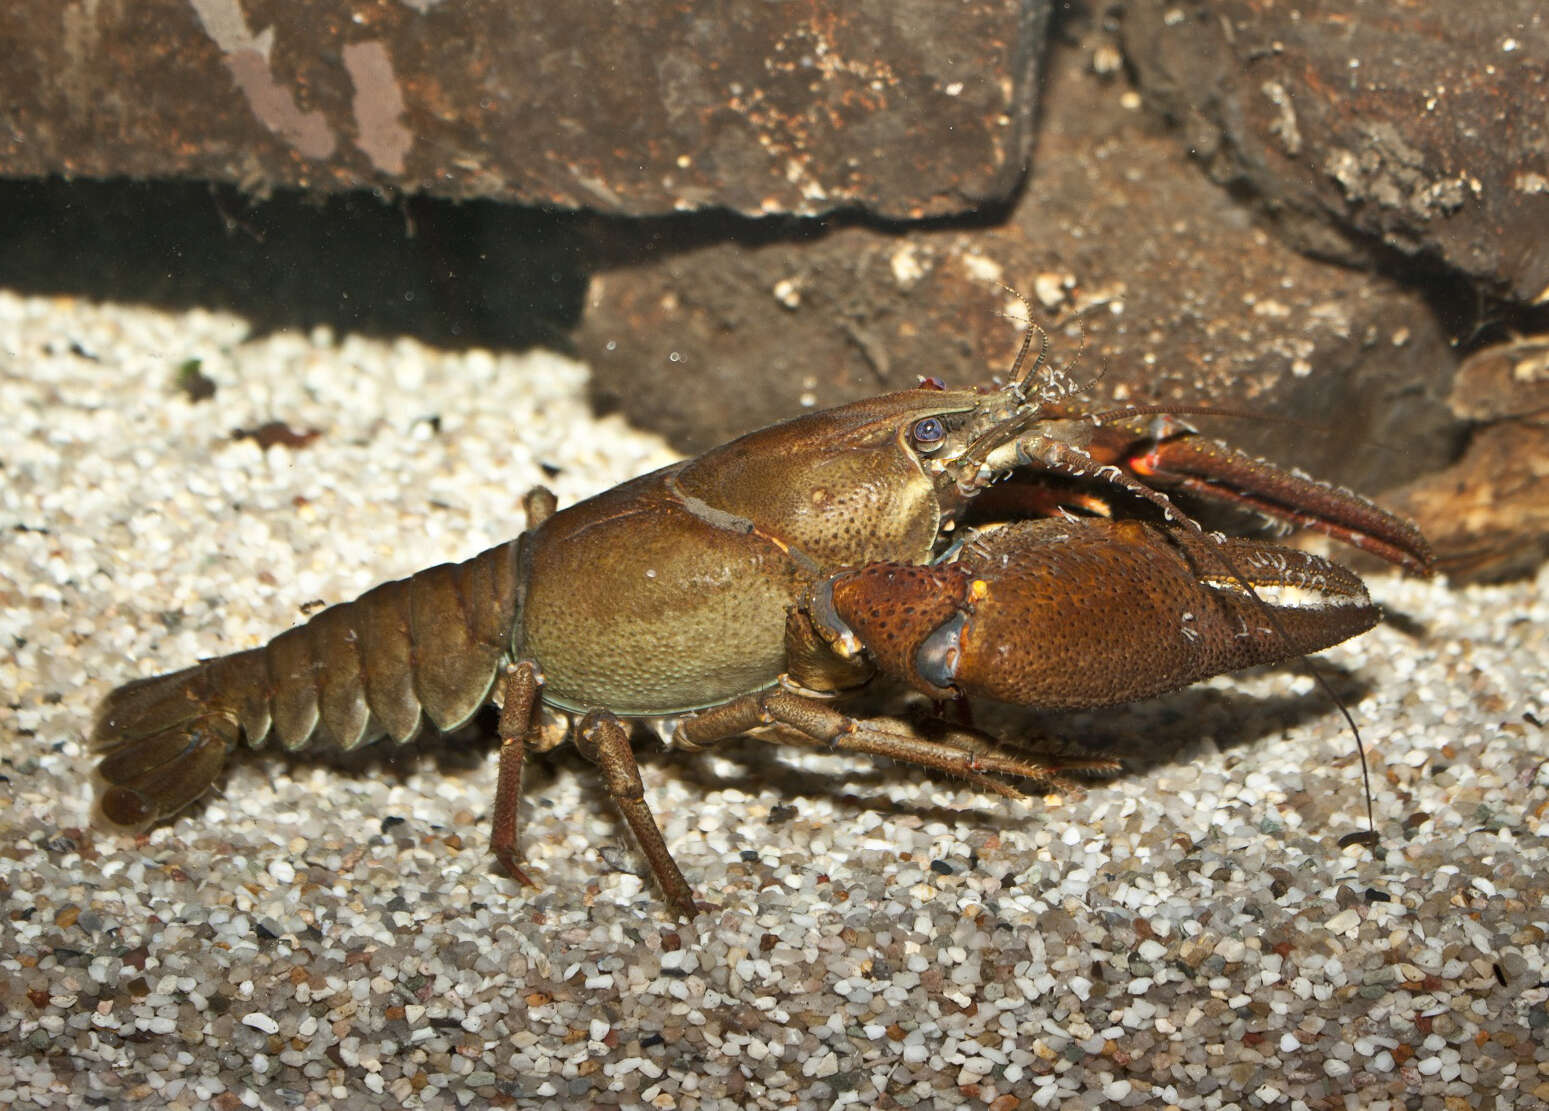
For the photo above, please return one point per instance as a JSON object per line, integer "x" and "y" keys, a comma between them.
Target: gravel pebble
{"x": 1189, "y": 933}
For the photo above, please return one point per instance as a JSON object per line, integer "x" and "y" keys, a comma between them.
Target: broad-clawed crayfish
{"x": 740, "y": 590}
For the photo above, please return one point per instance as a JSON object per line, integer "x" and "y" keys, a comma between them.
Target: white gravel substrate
{"x": 330, "y": 933}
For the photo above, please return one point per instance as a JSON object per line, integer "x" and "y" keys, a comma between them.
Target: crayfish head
{"x": 956, "y": 436}
{"x": 980, "y": 447}
{"x": 960, "y": 441}
{"x": 840, "y": 486}
{"x": 874, "y": 479}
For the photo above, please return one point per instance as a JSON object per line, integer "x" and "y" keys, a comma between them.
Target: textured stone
{"x": 906, "y": 109}
{"x": 1488, "y": 514}
{"x": 1371, "y": 131}
{"x": 1178, "y": 296}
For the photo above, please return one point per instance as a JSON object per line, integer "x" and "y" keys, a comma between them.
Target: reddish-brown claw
{"x": 1166, "y": 453}
{"x": 1084, "y": 613}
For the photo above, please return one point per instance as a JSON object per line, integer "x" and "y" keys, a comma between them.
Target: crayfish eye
{"x": 927, "y": 433}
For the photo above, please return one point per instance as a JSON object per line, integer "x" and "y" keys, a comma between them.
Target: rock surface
{"x": 1369, "y": 129}
{"x": 1117, "y": 240}
{"x": 904, "y": 109}
{"x": 1488, "y": 514}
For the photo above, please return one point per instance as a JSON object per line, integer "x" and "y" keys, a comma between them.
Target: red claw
{"x": 1084, "y": 613}
{"x": 1174, "y": 457}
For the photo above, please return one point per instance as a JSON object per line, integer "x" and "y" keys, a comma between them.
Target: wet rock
{"x": 1117, "y": 239}
{"x": 1372, "y": 132}
{"x": 904, "y": 109}
{"x": 1488, "y": 515}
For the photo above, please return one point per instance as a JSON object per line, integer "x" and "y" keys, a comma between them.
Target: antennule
{"x": 1019, "y": 377}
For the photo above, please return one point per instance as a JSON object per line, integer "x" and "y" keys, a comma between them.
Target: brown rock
{"x": 1506, "y": 381}
{"x": 906, "y": 109}
{"x": 1368, "y": 128}
{"x": 1178, "y": 296}
{"x": 1488, "y": 515}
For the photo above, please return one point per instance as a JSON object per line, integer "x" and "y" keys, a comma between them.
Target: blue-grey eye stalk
{"x": 927, "y": 433}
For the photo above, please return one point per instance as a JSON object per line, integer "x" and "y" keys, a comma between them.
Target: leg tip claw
{"x": 509, "y": 865}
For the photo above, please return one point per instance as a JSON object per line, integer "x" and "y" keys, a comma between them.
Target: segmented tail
{"x": 425, "y": 647}
{"x": 165, "y": 743}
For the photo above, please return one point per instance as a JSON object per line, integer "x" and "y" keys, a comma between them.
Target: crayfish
{"x": 743, "y": 590}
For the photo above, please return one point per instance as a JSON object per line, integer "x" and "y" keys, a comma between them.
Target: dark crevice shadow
{"x": 449, "y": 273}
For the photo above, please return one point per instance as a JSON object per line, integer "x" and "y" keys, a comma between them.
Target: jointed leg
{"x": 970, "y": 755}
{"x": 603, "y": 740}
{"x": 518, "y": 722}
